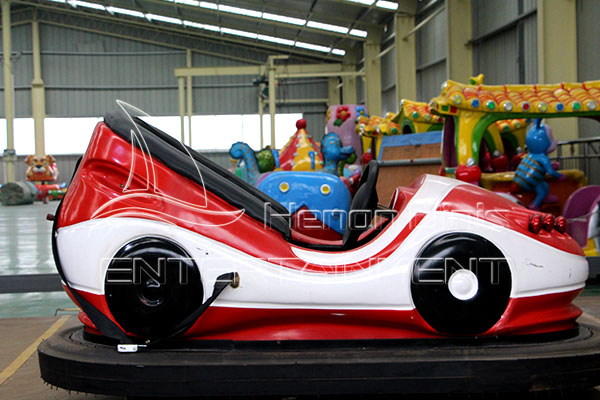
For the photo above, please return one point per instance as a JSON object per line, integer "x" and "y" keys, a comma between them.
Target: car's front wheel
{"x": 461, "y": 284}
{"x": 151, "y": 285}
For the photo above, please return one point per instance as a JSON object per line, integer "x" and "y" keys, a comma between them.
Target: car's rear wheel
{"x": 461, "y": 284}
{"x": 151, "y": 285}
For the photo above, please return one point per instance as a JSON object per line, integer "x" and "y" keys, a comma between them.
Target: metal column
{"x": 459, "y": 64}
{"x": 406, "y": 65}
{"x": 272, "y": 109}
{"x": 261, "y": 109}
{"x": 349, "y": 82}
{"x": 372, "y": 48}
{"x": 38, "y": 101}
{"x": 188, "y": 56}
{"x": 557, "y": 54}
{"x": 181, "y": 92}
{"x": 333, "y": 91}
{"x": 9, "y": 107}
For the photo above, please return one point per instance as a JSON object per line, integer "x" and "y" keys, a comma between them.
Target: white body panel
{"x": 86, "y": 248}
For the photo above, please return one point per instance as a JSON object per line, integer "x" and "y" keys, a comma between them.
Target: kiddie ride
{"x": 303, "y": 177}
{"x": 191, "y": 282}
{"x": 473, "y": 152}
{"x": 43, "y": 173}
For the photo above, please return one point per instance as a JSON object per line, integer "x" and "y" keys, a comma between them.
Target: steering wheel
{"x": 362, "y": 209}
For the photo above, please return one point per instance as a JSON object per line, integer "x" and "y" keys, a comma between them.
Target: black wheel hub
{"x": 152, "y": 285}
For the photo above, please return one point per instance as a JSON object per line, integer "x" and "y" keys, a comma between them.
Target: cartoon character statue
{"x": 342, "y": 119}
{"x": 241, "y": 150}
{"x": 41, "y": 169}
{"x": 333, "y": 152}
{"x": 535, "y": 165}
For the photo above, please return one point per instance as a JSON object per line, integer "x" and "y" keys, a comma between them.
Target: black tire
{"x": 432, "y": 296}
{"x": 146, "y": 303}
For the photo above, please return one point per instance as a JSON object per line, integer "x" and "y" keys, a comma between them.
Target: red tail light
{"x": 535, "y": 223}
{"x": 561, "y": 224}
{"x": 548, "y": 223}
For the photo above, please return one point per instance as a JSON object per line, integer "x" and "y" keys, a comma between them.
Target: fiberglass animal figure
{"x": 241, "y": 150}
{"x": 535, "y": 165}
{"x": 333, "y": 152}
{"x": 41, "y": 169}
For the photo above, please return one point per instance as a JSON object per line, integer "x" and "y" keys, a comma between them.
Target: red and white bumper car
{"x": 161, "y": 247}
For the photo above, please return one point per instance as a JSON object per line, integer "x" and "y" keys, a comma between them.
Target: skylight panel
{"x": 240, "y": 11}
{"x": 315, "y": 47}
{"x": 124, "y": 11}
{"x": 284, "y": 19}
{"x": 206, "y": 4}
{"x": 390, "y": 5}
{"x": 194, "y": 3}
{"x": 327, "y": 27}
{"x": 79, "y": 3}
{"x": 275, "y": 39}
{"x": 163, "y": 18}
{"x": 239, "y": 33}
{"x": 202, "y": 26}
{"x": 365, "y": 2}
{"x": 358, "y": 32}
{"x": 338, "y": 52}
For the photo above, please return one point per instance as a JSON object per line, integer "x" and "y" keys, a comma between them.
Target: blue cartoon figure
{"x": 535, "y": 165}
{"x": 333, "y": 152}
{"x": 242, "y": 151}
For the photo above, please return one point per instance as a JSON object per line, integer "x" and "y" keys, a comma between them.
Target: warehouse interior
{"x": 212, "y": 73}
{"x": 72, "y": 60}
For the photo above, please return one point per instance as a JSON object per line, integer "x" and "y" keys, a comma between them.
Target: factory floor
{"x": 27, "y": 319}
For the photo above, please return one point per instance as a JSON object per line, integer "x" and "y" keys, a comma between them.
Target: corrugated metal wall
{"x": 505, "y": 41}
{"x": 85, "y": 72}
{"x": 431, "y": 49}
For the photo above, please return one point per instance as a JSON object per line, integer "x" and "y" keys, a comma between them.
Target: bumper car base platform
{"x": 76, "y": 361}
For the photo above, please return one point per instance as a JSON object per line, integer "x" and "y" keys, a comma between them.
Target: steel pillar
{"x": 188, "y": 58}
{"x": 372, "y": 48}
{"x": 9, "y": 105}
{"x": 557, "y": 54}
{"x": 38, "y": 101}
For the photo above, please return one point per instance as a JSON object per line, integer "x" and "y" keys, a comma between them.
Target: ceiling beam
{"x": 281, "y": 70}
